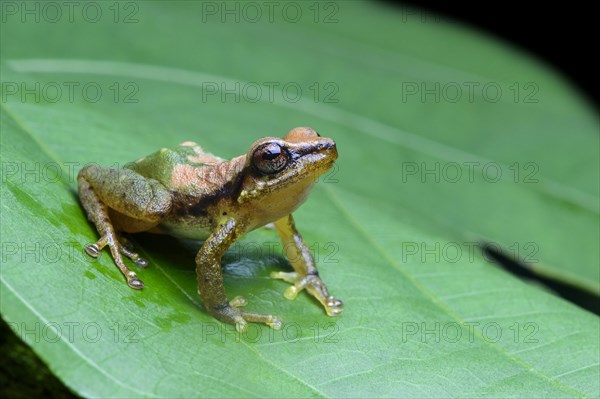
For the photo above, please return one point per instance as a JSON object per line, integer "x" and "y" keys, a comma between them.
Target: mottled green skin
{"x": 160, "y": 164}
{"x": 186, "y": 192}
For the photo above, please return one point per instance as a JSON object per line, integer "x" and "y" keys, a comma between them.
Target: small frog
{"x": 187, "y": 192}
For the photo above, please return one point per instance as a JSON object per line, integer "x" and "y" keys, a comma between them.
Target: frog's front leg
{"x": 306, "y": 275}
{"x": 210, "y": 281}
{"x": 142, "y": 201}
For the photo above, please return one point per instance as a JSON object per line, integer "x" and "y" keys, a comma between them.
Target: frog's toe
{"x": 314, "y": 285}
{"x": 135, "y": 258}
{"x": 333, "y": 307}
{"x": 272, "y": 321}
{"x": 232, "y": 314}
{"x": 299, "y": 282}
{"x": 293, "y": 278}
{"x": 238, "y": 301}
{"x": 94, "y": 249}
{"x": 141, "y": 262}
{"x": 290, "y": 277}
{"x": 240, "y": 324}
{"x": 292, "y": 292}
{"x": 276, "y": 324}
{"x": 126, "y": 249}
{"x": 134, "y": 282}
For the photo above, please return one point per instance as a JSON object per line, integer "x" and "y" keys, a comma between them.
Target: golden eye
{"x": 270, "y": 158}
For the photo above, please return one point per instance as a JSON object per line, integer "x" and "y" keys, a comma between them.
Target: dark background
{"x": 561, "y": 35}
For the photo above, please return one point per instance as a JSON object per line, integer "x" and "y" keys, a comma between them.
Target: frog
{"x": 187, "y": 192}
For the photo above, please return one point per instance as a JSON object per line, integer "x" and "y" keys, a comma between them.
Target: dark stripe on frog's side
{"x": 188, "y": 205}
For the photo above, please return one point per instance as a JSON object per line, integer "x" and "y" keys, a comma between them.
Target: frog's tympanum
{"x": 186, "y": 192}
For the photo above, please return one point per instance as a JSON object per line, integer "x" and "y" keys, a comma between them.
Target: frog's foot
{"x": 94, "y": 249}
{"x": 233, "y": 315}
{"x": 126, "y": 248}
{"x": 314, "y": 285}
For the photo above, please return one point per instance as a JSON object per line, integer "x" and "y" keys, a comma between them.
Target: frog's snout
{"x": 328, "y": 147}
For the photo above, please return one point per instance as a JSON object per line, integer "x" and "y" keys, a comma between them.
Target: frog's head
{"x": 280, "y": 172}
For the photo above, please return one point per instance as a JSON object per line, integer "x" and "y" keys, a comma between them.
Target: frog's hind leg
{"x": 134, "y": 197}
{"x": 98, "y": 213}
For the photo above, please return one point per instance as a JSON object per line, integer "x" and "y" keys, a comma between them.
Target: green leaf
{"x": 426, "y": 315}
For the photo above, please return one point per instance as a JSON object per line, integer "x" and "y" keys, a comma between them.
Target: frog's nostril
{"x": 328, "y": 145}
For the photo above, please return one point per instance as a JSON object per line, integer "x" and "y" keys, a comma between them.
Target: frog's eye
{"x": 270, "y": 158}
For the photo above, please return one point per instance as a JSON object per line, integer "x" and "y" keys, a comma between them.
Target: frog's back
{"x": 161, "y": 164}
